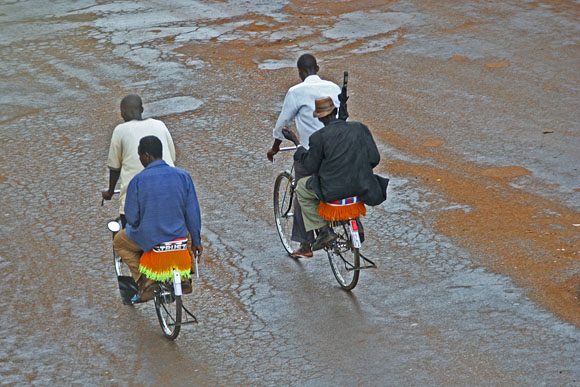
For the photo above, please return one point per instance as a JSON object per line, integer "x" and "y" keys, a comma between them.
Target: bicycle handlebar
{"x": 288, "y": 148}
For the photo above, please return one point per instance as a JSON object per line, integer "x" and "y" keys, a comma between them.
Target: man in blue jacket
{"x": 161, "y": 206}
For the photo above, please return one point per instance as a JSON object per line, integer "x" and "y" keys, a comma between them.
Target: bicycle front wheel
{"x": 344, "y": 259}
{"x": 283, "y": 211}
{"x": 168, "y": 307}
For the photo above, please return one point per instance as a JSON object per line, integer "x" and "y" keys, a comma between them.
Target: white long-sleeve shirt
{"x": 299, "y": 106}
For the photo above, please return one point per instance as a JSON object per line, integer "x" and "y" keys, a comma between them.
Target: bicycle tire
{"x": 168, "y": 307}
{"x": 344, "y": 259}
{"x": 120, "y": 268}
{"x": 283, "y": 212}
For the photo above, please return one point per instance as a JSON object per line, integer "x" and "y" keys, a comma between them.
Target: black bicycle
{"x": 344, "y": 254}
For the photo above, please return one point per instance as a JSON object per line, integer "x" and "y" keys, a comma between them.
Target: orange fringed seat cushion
{"x": 158, "y": 265}
{"x": 344, "y": 209}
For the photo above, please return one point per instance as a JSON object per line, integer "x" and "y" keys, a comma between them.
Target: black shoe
{"x": 325, "y": 236}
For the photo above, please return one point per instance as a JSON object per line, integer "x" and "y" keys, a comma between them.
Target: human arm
{"x": 114, "y": 162}
{"x": 275, "y": 149}
{"x": 287, "y": 115}
{"x": 311, "y": 159}
{"x": 372, "y": 150}
{"x": 193, "y": 218}
{"x": 171, "y": 147}
{"x": 290, "y": 135}
{"x": 132, "y": 205}
{"x": 113, "y": 178}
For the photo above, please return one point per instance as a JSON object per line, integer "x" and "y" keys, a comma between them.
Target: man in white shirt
{"x": 123, "y": 158}
{"x": 299, "y": 106}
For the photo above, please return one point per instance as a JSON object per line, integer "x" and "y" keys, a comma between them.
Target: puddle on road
{"x": 174, "y": 105}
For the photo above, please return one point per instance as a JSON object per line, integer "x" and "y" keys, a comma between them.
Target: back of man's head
{"x": 151, "y": 145}
{"x": 131, "y": 107}
{"x": 307, "y": 62}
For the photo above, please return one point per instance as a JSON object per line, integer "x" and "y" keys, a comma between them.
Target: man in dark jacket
{"x": 341, "y": 158}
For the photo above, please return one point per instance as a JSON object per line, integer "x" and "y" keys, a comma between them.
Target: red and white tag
{"x": 354, "y": 234}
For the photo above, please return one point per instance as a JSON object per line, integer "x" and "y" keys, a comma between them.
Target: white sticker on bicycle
{"x": 177, "y": 282}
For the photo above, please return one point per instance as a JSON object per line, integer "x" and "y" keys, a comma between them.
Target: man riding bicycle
{"x": 123, "y": 161}
{"x": 341, "y": 159}
{"x": 298, "y": 106}
{"x": 161, "y": 207}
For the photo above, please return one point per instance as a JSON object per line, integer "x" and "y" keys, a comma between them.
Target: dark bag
{"x": 127, "y": 288}
{"x": 377, "y": 193}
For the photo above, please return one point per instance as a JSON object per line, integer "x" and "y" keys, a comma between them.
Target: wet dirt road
{"x": 474, "y": 106}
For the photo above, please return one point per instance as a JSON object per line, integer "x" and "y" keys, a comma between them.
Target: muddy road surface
{"x": 474, "y": 106}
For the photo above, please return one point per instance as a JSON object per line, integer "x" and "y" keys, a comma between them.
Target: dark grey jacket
{"x": 341, "y": 158}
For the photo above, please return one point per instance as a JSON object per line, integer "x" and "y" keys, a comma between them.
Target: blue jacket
{"x": 161, "y": 206}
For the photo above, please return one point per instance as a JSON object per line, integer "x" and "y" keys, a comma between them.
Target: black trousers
{"x": 299, "y": 233}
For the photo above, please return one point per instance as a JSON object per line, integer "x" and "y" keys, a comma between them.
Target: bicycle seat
{"x": 343, "y": 209}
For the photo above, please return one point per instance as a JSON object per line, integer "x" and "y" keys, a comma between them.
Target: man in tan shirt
{"x": 123, "y": 161}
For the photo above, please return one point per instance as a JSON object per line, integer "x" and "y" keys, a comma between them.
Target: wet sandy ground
{"x": 474, "y": 106}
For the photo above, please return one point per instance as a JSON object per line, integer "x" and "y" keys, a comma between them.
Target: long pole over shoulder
{"x": 343, "y": 97}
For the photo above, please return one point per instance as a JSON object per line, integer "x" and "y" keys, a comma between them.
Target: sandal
{"x": 145, "y": 290}
{"x": 302, "y": 253}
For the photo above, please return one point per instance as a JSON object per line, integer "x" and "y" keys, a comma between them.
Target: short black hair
{"x": 307, "y": 62}
{"x": 151, "y": 145}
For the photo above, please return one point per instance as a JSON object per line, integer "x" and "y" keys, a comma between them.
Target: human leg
{"x": 299, "y": 233}
{"x": 309, "y": 205}
{"x": 129, "y": 251}
{"x": 312, "y": 221}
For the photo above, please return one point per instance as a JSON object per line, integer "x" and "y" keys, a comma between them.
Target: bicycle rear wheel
{"x": 344, "y": 259}
{"x": 283, "y": 211}
{"x": 168, "y": 307}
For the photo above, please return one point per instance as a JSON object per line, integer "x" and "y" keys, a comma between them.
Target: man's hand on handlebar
{"x": 290, "y": 135}
{"x": 107, "y": 195}
{"x": 271, "y": 154}
{"x": 275, "y": 149}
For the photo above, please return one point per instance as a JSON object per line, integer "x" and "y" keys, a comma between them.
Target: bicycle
{"x": 343, "y": 254}
{"x": 171, "y": 313}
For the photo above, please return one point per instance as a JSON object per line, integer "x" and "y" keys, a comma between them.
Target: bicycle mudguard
{"x": 127, "y": 288}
